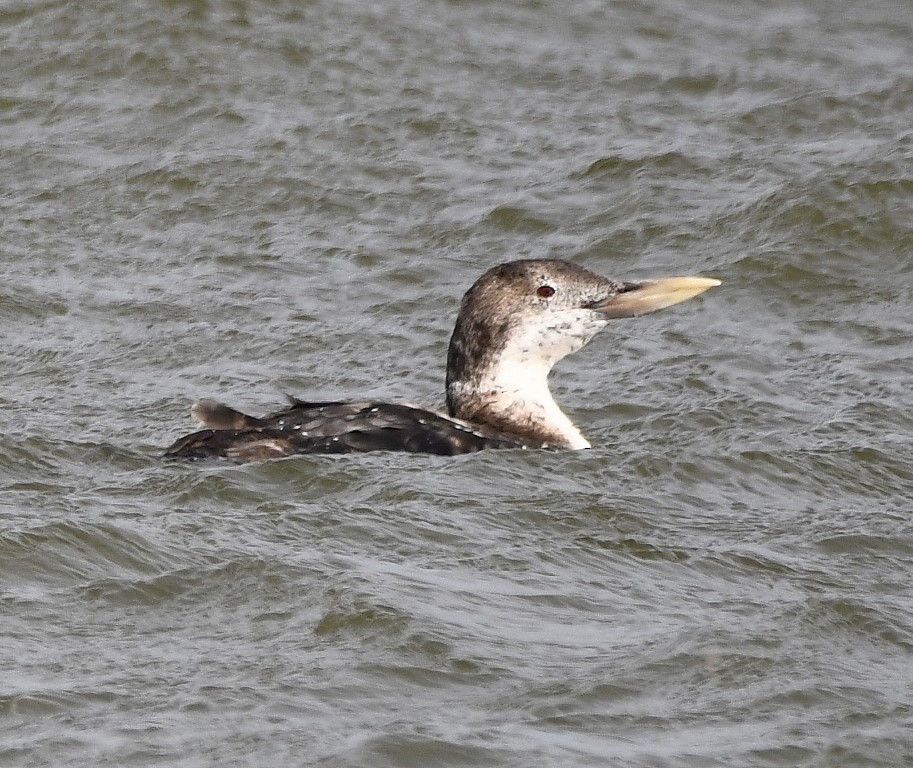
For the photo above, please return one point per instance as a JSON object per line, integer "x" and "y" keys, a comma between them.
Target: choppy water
{"x": 240, "y": 199}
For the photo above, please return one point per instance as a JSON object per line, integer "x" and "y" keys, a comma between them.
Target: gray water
{"x": 242, "y": 199}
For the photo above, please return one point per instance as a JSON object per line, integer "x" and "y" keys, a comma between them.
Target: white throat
{"x": 515, "y": 385}
{"x": 521, "y": 390}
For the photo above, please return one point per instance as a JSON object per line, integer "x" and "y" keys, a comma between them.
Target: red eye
{"x": 545, "y": 291}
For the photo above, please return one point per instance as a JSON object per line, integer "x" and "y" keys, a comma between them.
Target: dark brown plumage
{"x": 331, "y": 427}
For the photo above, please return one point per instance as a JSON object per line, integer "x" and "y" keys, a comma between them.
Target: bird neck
{"x": 514, "y": 397}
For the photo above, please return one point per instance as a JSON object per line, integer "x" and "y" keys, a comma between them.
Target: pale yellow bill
{"x": 652, "y": 295}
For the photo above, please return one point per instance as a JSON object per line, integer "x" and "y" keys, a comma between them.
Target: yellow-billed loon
{"x": 514, "y": 324}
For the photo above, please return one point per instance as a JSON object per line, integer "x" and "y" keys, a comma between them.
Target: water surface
{"x": 244, "y": 199}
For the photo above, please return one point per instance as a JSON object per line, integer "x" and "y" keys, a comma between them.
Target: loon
{"x": 514, "y": 324}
